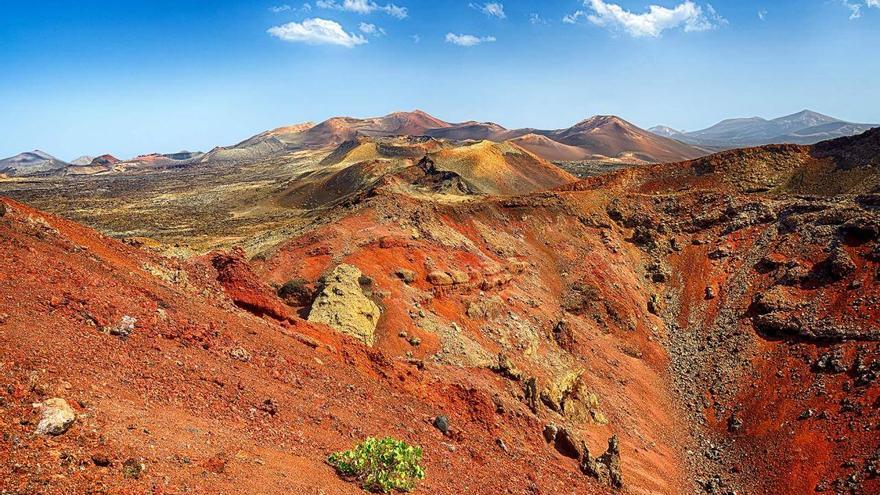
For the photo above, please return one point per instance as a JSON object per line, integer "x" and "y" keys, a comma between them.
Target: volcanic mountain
{"x": 101, "y": 164}
{"x": 612, "y": 137}
{"x": 422, "y": 165}
{"x": 805, "y": 127}
{"x": 598, "y": 138}
{"x": 83, "y": 160}
{"x": 31, "y": 163}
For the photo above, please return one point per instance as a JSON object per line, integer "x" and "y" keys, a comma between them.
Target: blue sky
{"x": 131, "y": 77}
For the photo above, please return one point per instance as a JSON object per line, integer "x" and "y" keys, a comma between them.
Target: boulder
{"x": 506, "y": 368}
{"x": 568, "y": 444}
{"x": 343, "y": 306}
{"x": 132, "y": 468}
{"x": 438, "y": 277}
{"x": 408, "y": 276}
{"x": 606, "y": 467}
{"x": 244, "y": 287}
{"x": 57, "y": 416}
{"x": 489, "y": 308}
{"x": 569, "y": 395}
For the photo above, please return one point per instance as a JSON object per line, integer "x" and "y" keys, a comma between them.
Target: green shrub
{"x": 381, "y": 465}
{"x": 297, "y": 292}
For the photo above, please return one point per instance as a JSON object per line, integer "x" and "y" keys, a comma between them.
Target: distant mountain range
{"x": 805, "y": 127}
{"x": 601, "y": 138}
{"x": 604, "y": 138}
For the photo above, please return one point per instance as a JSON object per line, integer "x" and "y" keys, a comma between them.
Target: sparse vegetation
{"x": 297, "y": 292}
{"x": 381, "y": 465}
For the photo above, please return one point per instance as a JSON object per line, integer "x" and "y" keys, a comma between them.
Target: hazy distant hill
{"x": 805, "y": 127}
{"x": 31, "y": 163}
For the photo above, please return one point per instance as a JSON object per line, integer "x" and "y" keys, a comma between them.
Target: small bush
{"x": 381, "y": 465}
{"x": 297, "y": 292}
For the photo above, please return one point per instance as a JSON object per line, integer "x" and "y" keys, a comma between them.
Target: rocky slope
{"x": 704, "y": 326}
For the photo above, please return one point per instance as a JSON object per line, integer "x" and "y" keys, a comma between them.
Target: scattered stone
{"x": 133, "y": 468}
{"x": 124, "y": 328}
{"x": 734, "y": 423}
{"x": 240, "y": 354}
{"x": 269, "y": 406}
{"x": 459, "y": 277}
{"x": 506, "y": 368}
{"x": 720, "y": 253}
{"x": 100, "y": 460}
{"x": 564, "y": 335}
{"x": 830, "y": 362}
{"x": 657, "y": 273}
{"x": 442, "y": 424}
{"x": 710, "y": 293}
{"x": 415, "y": 341}
{"x": 807, "y": 414}
{"x": 2, "y": 209}
{"x": 57, "y": 417}
{"x": 408, "y": 276}
{"x": 654, "y": 304}
{"x": 343, "y": 306}
{"x": 530, "y": 389}
{"x": 501, "y": 444}
{"x": 550, "y": 432}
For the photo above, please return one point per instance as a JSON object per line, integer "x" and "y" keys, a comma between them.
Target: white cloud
{"x": 371, "y": 29}
{"x": 574, "y": 16}
{"x": 762, "y": 14}
{"x": 364, "y": 7}
{"x": 855, "y": 9}
{"x": 277, "y": 9}
{"x": 493, "y": 9}
{"x": 467, "y": 39}
{"x": 686, "y": 15}
{"x": 316, "y": 32}
{"x": 416, "y": 38}
{"x": 307, "y": 7}
{"x": 537, "y": 19}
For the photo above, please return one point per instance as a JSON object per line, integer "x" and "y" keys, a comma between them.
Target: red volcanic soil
{"x": 724, "y": 330}
{"x": 212, "y": 398}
